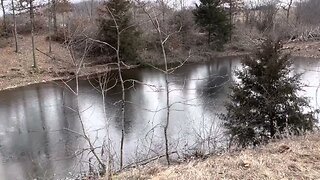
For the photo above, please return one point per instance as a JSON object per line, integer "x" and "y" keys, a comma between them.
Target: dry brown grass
{"x": 16, "y": 68}
{"x": 294, "y": 158}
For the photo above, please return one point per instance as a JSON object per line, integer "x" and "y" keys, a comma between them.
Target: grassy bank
{"x": 293, "y": 158}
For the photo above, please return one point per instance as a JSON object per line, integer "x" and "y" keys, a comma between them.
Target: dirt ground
{"x": 292, "y": 158}
{"x": 16, "y": 68}
{"x": 310, "y": 49}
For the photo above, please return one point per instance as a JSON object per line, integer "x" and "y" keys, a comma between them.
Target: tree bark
{"x": 64, "y": 27}
{"x": 32, "y": 34}
{"x": 15, "y": 34}
{"x": 288, "y": 10}
{"x": 230, "y": 14}
{"x": 162, "y": 41}
{"x": 91, "y": 9}
{"x": 50, "y": 25}
{"x": 123, "y": 98}
{"x": 4, "y": 15}
{"x": 54, "y": 13}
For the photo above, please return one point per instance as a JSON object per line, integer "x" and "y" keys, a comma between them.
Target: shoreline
{"x": 16, "y": 71}
{"x": 9, "y": 83}
{"x": 16, "y": 80}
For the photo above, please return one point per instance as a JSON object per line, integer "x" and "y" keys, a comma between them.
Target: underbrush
{"x": 290, "y": 158}
{"x": 4, "y": 42}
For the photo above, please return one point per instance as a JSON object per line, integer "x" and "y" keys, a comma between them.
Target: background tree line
{"x": 213, "y": 21}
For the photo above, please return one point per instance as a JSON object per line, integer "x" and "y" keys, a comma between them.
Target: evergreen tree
{"x": 212, "y": 17}
{"x": 129, "y": 35}
{"x": 265, "y": 103}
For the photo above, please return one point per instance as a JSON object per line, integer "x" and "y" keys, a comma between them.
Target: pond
{"x": 41, "y": 133}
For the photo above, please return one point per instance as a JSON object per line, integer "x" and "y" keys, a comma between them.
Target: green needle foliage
{"x": 211, "y": 16}
{"x": 129, "y": 35}
{"x": 265, "y": 103}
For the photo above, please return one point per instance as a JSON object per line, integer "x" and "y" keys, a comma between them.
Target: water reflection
{"x": 39, "y": 129}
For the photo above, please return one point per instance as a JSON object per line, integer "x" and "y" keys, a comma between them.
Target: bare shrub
{"x": 24, "y": 26}
{"x": 267, "y": 14}
{"x": 183, "y": 20}
{"x": 59, "y": 36}
{"x": 308, "y": 12}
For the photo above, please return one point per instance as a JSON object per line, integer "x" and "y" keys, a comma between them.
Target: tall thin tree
{"x": 31, "y": 11}
{"x": 50, "y": 24}
{"x": 4, "y": 23}
{"x": 54, "y": 16}
{"x": 15, "y": 34}
{"x": 118, "y": 26}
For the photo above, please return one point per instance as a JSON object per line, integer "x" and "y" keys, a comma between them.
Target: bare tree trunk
{"x": 14, "y": 27}
{"x": 288, "y": 10}
{"x": 50, "y": 26}
{"x": 32, "y": 34}
{"x": 4, "y": 15}
{"x": 123, "y": 105}
{"x": 123, "y": 99}
{"x": 78, "y": 65}
{"x": 54, "y": 13}
{"x": 168, "y": 108}
{"x": 230, "y": 14}
{"x": 64, "y": 27}
{"x": 91, "y": 9}
{"x": 163, "y": 40}
{"x": 103, "y": 83}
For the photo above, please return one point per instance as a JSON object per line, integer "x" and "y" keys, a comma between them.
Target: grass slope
{"x": 293, "y": 158}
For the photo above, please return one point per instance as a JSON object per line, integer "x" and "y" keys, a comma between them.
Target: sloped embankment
{"x": 293, "y": 158}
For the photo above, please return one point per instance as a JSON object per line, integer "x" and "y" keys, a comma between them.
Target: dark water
{"x": 40, "y": 130}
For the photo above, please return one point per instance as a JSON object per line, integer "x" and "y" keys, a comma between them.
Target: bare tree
{"x": 267, "y": 13}
{"x": 3, "y": 15}
{"x": 163, "y": 38}
{"x": 164, "y": 7}
{"x": 50, "y": 24}
{"x": 54, "y": 16}
{"x": 166, "y": 72}
{"x": 78, "y": 64}
{"x": 119, "y": 64}
{"x": 15, "y": 34}
{"x": 91, "y": 8}
{"x": 287, "y": 7}
{"x": 308, "y": 11}
{"x": 63, "y": 7}
{"x": 31, "y": 11}
{"x": 104, "y": 86}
